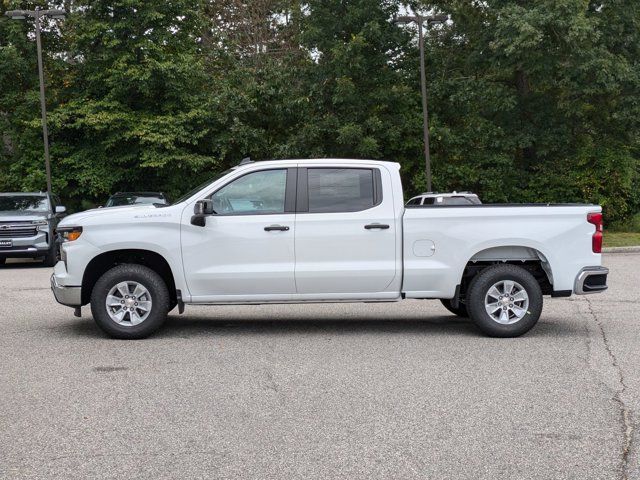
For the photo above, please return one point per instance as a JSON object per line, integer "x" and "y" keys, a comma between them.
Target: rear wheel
{"x": 130, "y": 301}
{"x": 460, "y": 310}
{"x": 504, "y": 301}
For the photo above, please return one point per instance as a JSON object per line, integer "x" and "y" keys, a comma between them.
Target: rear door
{"x": 345, "y": 238}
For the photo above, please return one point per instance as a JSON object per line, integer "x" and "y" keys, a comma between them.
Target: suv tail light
{"x": 596, "y": 239}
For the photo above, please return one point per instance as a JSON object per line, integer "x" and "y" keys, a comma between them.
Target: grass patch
{"x": 621, "y": 239}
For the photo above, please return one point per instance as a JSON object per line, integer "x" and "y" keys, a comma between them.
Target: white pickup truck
{"x": 326, "y": 230}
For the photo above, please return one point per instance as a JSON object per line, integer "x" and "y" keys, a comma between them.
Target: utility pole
{"x": 37, "y": 14}
{"x": 420, "y": 21}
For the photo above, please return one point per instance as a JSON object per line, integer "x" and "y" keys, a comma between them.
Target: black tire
{"x": 460, "y": 310}
{"x": 132, "y": 273}
{"x": 51, "y": 258}
{"x": 3, "y": 260}
{"x": 480, "y": 287}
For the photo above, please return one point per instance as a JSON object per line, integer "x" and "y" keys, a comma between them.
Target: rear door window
{"x": 341, "y": 189}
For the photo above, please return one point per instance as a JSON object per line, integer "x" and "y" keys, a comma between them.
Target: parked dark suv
{"x": 136, "y": 198}
{"x": 27, "y": 226}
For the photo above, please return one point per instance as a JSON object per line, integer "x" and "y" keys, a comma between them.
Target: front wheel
{"x": 130, "y": 301}
{"x": 504, "y": 301}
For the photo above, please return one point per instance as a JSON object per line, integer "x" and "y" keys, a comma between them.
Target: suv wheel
{"x": 130, "y": 301}
{"x": 504, "y": 301}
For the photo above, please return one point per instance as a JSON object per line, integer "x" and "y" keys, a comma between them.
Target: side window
{"x": 414, "y": 201}
{"x": 428, "y": 201}
{"x": 256, "y": 193}
{"x": 341, "y": 189}
{"x": 458, "y": 201}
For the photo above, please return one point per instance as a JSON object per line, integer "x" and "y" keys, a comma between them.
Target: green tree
{"x": 537, "y": 101}
{"x": 134, "y": 111}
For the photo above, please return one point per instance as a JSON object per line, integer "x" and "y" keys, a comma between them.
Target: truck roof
{"x": 348, "y": 161}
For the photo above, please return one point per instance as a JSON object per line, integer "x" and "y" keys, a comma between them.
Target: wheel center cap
{"x": 505, "y": 301}
{"x": 129, "y": 302}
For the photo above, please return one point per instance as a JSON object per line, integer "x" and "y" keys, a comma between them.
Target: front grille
{"x": 17, "y": 231}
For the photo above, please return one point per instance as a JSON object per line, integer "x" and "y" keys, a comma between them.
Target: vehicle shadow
{"x": 202, "y": 326}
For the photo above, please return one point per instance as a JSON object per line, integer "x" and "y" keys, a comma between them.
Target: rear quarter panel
{"x": 560, "y": 234}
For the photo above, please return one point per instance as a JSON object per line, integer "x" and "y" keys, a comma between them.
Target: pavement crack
{"x": 270, "y": 383}
{"x": 625, "y": 413}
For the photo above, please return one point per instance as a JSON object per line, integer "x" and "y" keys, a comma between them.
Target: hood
{"x": 18, "y": 216}
{"x": 109, "y": 215}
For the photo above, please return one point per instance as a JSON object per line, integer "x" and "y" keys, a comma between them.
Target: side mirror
{"x": 201, "y": 210}
{"x": 60, "y": 210}
{"x": 203, "y": 207}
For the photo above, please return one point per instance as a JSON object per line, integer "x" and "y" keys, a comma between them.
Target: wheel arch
{"x": 107, "y": 260}
{"x": 528, "y": 257}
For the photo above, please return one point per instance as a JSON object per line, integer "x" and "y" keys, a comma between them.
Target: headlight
{"x": 69, "y": 234}
{"x": 41, "y": 224}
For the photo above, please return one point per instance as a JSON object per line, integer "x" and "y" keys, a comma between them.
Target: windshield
{"x": 24, "y": 203}
{"x": 200, "y": 187}
{"x": 120, "y": 200}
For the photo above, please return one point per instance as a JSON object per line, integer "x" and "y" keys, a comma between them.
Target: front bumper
{"x": 23, "y": 252}
{"x": 27, "y": 247}
{"x": 69, "y": 296}
{"x": 591, "y": 280}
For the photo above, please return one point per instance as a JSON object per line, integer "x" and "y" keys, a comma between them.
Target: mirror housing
{"x": 201, "y": 210}
{"x": 60, "y": 210}
{"x": 203, "y": 207}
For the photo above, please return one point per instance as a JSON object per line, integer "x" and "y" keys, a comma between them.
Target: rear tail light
{"x": 596, "y": 239}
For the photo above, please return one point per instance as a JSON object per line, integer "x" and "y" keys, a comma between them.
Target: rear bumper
{"x": 591, "y": 280}
{"x": 69, "y": 296}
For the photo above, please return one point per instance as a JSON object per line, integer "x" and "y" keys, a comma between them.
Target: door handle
{"x": 379, "y": 226}
{"x": 272, "y": 228}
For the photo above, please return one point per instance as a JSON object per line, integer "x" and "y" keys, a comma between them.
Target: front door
{"x": 246, "y": 250}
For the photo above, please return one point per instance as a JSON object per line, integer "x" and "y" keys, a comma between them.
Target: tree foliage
{"x": 529, "y": 101}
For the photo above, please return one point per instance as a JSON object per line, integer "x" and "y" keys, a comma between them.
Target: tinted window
{"x": 24, "y": 203}
{"x": 121, "y": 200}
{"x": 414, "y": 201}
{"x": 429, "y": 201}
{"x": 457, "y": 201}
{"x": 255, "y": 193}
{"x": 340, "y": 189}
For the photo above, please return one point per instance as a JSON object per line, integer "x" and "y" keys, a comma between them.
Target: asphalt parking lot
{"x": 375, "y": 391}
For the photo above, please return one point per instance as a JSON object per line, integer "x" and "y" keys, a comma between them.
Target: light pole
{"x": 420, "y": 20}
{"x": 37, "y": 14}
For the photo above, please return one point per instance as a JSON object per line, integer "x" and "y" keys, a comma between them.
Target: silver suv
{"x": 27, "y": 226}
{"x": 453, "y": 198}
